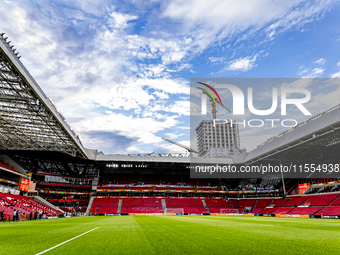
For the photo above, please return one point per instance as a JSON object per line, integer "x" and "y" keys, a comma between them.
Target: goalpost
{"x": 178, "y": 211}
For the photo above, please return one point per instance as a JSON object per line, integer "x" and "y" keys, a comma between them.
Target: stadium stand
{"x": 320, "y": 199}
{"x": 246, "y": 203}
{"x": 241, "y": 204}
{"x": 329, "y": 211}
{"x": 278, "y": 202}
{"x": 306, "y": 210}
{"x": 104, "y": 205}
{"x": 268, "y": 210}
{"x": 303, "y": 205}
{"x": 295, "y": 201}
{"x": 219, "y": 206}
{"x": 189, "y": 205}
{"x": 71, "y": 204}
{"x": 336, "y": 201}
{"x": 282, "y": 210}
{"x": 261, "y": 204}
{"x": 141, "y": 205}
{"x": 9, "y": 203}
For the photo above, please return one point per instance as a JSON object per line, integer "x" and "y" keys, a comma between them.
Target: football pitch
{"x": 171, "y": 235}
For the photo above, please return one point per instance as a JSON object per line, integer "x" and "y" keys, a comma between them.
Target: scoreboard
{"x": 303, "y": 188}
{"x": 24, "y": 184}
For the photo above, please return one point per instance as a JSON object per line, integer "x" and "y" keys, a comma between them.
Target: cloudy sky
{"x": 120, "y": 71}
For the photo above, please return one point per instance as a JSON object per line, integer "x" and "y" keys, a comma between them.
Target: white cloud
{"x": 242, "y": 64}
{"x": 316, "y": 72}
{"x": 143, "y": 130}
{"x": 161, "y": 95}
{"x": 216, "y": 59}
{"x": 310, "y": 73}
{"x": 88, "y": 57}
{"x": 320, "y": 61}
{"x": 133, "y": 149}
{"x": 172, "y": 148}
{"x": 120, "y": 20}
{"x": 210, "y": 21}
{"x": 172, "y": 135}
{"x": 336, "y": 75}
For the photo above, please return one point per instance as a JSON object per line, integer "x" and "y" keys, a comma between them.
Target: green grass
{"x": 173, "y": 235}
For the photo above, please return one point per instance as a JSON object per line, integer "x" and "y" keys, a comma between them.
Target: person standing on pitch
{"x": 18, "y": 215}
{"x": 14, "y": 215}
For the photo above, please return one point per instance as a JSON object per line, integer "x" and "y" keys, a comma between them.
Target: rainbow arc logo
{"x": 208, "y": 92}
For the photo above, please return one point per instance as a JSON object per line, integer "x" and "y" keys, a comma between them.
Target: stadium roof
{"x": 158, "y": 158}
{"x": 28, "y": 119}
{"x": 317, "y": 137}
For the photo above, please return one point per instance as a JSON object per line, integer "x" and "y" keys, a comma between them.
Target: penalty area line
{"x": 65, "y": 241}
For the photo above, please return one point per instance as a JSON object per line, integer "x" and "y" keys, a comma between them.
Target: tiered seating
{"x": 320, "y": 199}
{"x": 153, "y": 187}
{"x": 261, "y": 204}
{"x": 282, "y": 210}
{"x": 104, "y": 205}
{"x": 336, "y": 201}
{"x": 246, "y": 203}
{"x": 308, "y": 205}
{"x": 215, "y": 205}
{"x": 306, "y": 210}
{"x": 189, "y": 205}
{"x": 240, "y": 204}
{"x": 9, "y": 202}
{"x": 151, "y": 180}
{"x": 47, "y": 188}
{"x": 268, "y": 210}
{"x": 77, "y": 205}
{"x": 83, "y": 203}
{"x": 329, "y": 211}
{"x": 291, "y": 205}
{"x": 234, "y": 202}
{"x": 142, "y": 205}
{"x": 278, "y": 202}
{"x": 257, "y": 210}
{"x": 118, "y": 179}
{"x": 170, "y": 180}
{"x": 295, "y": 201}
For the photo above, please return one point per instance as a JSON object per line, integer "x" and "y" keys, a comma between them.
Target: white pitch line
{"x": 66, "y": 241}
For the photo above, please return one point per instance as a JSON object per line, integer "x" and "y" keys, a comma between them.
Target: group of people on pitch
{"x": 18, "y": 216}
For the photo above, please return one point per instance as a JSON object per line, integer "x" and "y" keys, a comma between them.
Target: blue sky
{"x": 119, "y": 72}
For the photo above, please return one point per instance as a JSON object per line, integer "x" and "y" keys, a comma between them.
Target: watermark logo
{"x": 239, "y": 103}
{"x": 239, "y": 99}
{"x": 204, "y": 97}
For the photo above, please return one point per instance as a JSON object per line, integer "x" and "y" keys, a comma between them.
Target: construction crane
{"x": 213, "y": 105}
{"x": 214, "y": 101}
{"x": 180, "y": 145}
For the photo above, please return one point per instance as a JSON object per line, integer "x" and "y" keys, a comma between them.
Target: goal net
{"x": 227, "y": 210}
{"x": 178, "y": 211}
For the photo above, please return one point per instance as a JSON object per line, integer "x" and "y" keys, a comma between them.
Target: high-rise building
{"x": 219, "y": 141}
